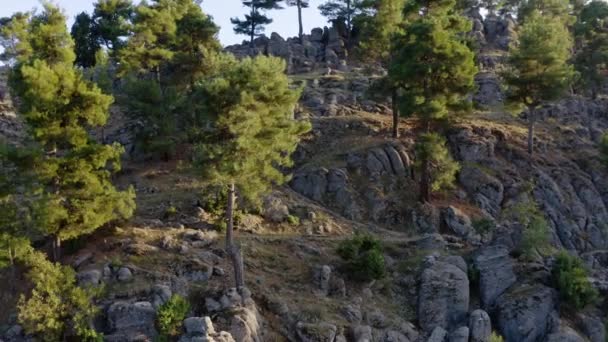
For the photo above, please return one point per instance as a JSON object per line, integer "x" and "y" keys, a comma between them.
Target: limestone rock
{"x": 480, "y": 326}
{"x": 89, "y": 278}
{"x": 495, "y": 273}
{"x": 316, "y": 332}
{"x": 131, "y": 320}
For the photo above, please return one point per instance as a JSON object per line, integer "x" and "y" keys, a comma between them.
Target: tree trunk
{"x": 348, "y": 22}
{"x": 230, "y": 219}
{"x": 237, "y": 263}
{"x": 56, "y": 248}
{"x": 301, "y": 27}
{"x": 252, "y": 33}
{"x": 11, "y": 258}
{"x": 395, "y": 114}
{"x": 531, "y": 122}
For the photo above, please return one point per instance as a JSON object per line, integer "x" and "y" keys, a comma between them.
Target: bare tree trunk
{"x": 425, "y": 191}
{"x": 237, "y": 263}
{"x": 230, "y": 219}
{"x": 301, "y": 28}
{"x": 531, "y": 122}
{"x": 56, "y": 248}
{"x": 395, "y": 114}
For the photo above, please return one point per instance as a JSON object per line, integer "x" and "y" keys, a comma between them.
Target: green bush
{"x": 536, "y": 236}
{"x": 483, "y": 225}
{"x": 363, "y": 257}
{"x": 571, "y": 279}
{"x": 171, "y": 315}
{"x": 496, "y": 338}
{"x": 293, "y": 220}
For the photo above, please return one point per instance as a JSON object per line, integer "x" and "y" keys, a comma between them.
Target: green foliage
{"x": 85, "y": 43}
{"x": 603, "y": 147}
{"x": 483, "y": 225}
{"x": 111, "y": 23}
{"x": 572, "y": 280}
{"x": 378, "y": 32}
{"x": 293, "y": 220}
{"x": 254, "y": 22}
{"x": 494, "y": 337}
{"x": 249, "y": 104}
{"x": 591, "y": 32}
{"x": 557, "y": 10}
{"x": 171, "y": 315}
{"x": 432, "y": 62}
{"x": 536, "y": 236}
{"x": 56, "y": 307}
{"x": 434, "y": 162}
{"x": 345, "y": 11}
{"x": 60, "y": 107}
{"x": 538, "y": 69}
{"x": 363, "y": 257}
{"x": 170, "y": 211}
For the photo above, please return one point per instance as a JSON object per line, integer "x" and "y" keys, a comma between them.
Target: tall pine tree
{"x": 436, "y": 69}
{"x": 250, "y": 105}
{"x": 85, "y": 41}
{"x": 538, "y": 69}
{"x": 253, "y": 23}
{"x": 591, "y": 40}
{"x": 112, "y": 22}
{"x": 299, "y": 4}
{"x": 59, "y": 107}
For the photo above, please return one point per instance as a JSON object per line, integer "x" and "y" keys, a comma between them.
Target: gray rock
{"x": 460, "y": 335}
{"x": 495, "y": 273}
{"x": 352, "y": 313}
{"x": 124, "y": 275}
{"x": 460, "y": 224}
{"x": 89, "y": 278}
{"x": 426, "y": 218}
{"x": 160, "y": 295}
{"x": 443, "y": 299}
{"x": 593, "y": 327}
{"x": 480, "y": 326}
{"x": 376, "y": 319}
{"x": 316, "y": 332}
{"x": 526, "y": 313}
{"x": 565, "y": 334}
{"x": 362, "y": 333}
{"x": 275, "y": 210}
{"x": 198, "y": 326}
{"x": 132, "y": 319}
{"x": 394, "y": 336}
{"x": 438, "y": 335}
{"x": 212, "y": 305}
{"x": 321, "y": 279}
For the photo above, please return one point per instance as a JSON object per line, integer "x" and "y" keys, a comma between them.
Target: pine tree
{"x": 435, "y": 164}
{"x": 300, "y": 4}
{"x": 435, "y": 70}
{"x": 85, "y": 41}
{"x": 379, "y": 33}
{"x": 344, "y": 11}
{"x": 59, "y": 107}
{"x": 250, "y": 105}
{"x": 538, "y": 66}
{"x": 591, "y": 36}
{"x": 111, "y": 20}
{"x": 253, "y": 23}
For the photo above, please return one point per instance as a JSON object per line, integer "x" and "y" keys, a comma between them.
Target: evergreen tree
{"x": 250, "y": 106}
{"x": 253, "y": 23}
{"x": 557, "y": 9}
{"x": 435, "y": 164}
{"x": 57, "y": 308}
{"x": 378, "y": 35}
{"x": 538, "y": 66}
{"x": 85, "y": 41}
{"x": 344, "y": 11}
{"x": 591, "y": 36}
{"x": 432, "y": 62}
{"x": 111, "y": 20}
{"x": 300, "y": 4}
{"x": 172, "y": 46}
{"x": 59, "y": 107}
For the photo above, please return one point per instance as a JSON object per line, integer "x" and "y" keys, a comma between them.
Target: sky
{"x": 285, "y": 21}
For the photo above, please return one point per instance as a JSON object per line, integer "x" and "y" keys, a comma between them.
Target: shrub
{"x": 483, "y": 225}
{"x": 170, "y": 211}
{"x": 536, "y": 234}
{"x": 293, "y": 220}
{"x": 57, "y": 308}
{"x": 363, "y": 257}
{"x": 171, "y": 315}
{"x": 571, "y": 279}
{"x": 495, "y": 337}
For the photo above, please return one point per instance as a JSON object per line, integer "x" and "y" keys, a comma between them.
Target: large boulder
{"x": 496, "y": 274}
{"x": 443, "y": 299}
{"x": 526, "y": 313}
{"x": 129, "y": 321}
{"x": 316, "y": 332}
{"x": 480, "y": 326}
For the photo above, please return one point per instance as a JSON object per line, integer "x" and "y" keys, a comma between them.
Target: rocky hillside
{"x": 454, "y": 272}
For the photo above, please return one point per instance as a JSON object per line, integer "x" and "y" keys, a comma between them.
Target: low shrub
{"x": 363, "y": 257}
{"x": 171, "y": 315}
{"x": 571, "y": 279}
{"x": 483, "y": 225}
{"x": 293, "y": 220}
{"x": 496, "y": 338}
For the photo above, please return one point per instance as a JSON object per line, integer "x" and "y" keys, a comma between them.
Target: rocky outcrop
{"x": 131, "y": 321}
{"x": 316, "y": 332}
{"x": 443, "y": 296}
{"x": 480, "y": 326}
{"x": 321, "y": 48}
{"x": 526, "y": 313}
{"x": 495, "y": 269}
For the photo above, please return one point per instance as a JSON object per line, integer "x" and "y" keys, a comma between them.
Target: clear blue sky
{"x": 285, "y": 21}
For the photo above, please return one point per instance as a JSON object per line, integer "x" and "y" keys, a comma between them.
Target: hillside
{"x": 454, "y": 269}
